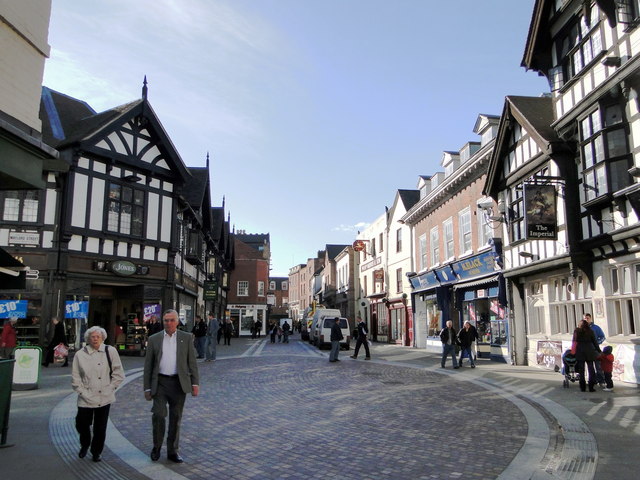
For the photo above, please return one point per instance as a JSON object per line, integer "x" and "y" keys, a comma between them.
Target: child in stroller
{"x": 568, "y": 368}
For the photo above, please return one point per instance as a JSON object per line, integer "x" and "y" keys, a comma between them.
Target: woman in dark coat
{"x": 585, "y": 348}
{"x": 58, "y": 337}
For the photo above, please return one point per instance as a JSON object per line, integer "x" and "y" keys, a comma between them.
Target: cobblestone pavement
{"x": 284, "y": 414}
{"x": 276, "y": 411}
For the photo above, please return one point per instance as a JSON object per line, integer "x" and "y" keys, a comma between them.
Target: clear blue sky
{"x": 314, "y": 112}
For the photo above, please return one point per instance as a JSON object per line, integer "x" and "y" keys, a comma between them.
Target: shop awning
{"x": 477, "y": 282}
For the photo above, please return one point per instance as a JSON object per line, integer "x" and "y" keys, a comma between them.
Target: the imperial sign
{"x": 122, "y": 267}
{"x": 541, "y": 215}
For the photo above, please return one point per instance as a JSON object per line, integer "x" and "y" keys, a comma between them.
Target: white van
{"x": 323, "y": 330}
{"x": 319, "y": 314}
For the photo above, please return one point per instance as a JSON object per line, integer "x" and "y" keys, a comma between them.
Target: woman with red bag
{"x": 585, "y": 348}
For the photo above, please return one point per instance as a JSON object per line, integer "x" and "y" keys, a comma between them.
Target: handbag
{"x": 60, "y": 351}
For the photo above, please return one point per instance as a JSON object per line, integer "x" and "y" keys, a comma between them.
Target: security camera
{"x": 485, "y": 203}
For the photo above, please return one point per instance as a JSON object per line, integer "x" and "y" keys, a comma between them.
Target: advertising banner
{"x": 73, "y": 309}
{"x": 540, "y": 211}
{"x": 13, "y": 309}
{"x": 151, "y": 310}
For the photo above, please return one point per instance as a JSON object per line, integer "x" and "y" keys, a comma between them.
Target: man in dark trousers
{"x": 449, "y": 341}
{"x": 362, "y": 340}
{"x": 467, "y": 336}
{"x": 336, "y": 336}
{"x": 170, "y": 372}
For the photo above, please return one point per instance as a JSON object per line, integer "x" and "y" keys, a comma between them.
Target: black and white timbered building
{"x": 127, "y": 232}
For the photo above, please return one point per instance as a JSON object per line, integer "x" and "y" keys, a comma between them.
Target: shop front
{"x": 244, "y": 317}
{"x": 480, "y": 298}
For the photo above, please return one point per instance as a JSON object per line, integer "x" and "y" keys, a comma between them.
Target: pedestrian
{"x": 606, "y": 362}
{"x": 252, "y": 329}
{"x": 155, "y": 325}
{"x": 95, "y": 375}
{"x": 220, "y": 333}
{"x": 199, "y": 332}
{"x": 449, "y": 341}
{"x": 228, "y": 331}
{"x": 213, "y": 327}
{"x": 9, "y": 338}
{"x": 259, "y": 328}
{"x": 273, "y": 332}
{"x": 59, "y": 336}
{"x": 467, "y": 337}
{"x": 336, "y": 336}
{"x": 600, "y": 337}
{"x": 170, "y": 372}
{"x": 362, "y": 339}
{"x": 286, "y": 329}
{"x": 585, "y": 348}
{"x": 279, "y": 332}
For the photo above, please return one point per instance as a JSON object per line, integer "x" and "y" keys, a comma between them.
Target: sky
{"x": 313, "y": 112}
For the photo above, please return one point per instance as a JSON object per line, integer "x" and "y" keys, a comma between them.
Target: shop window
{"x": 626, "y": 319}
{"x": 243, "y": 288}
{"x": 125, "y": 210}
{"x": 20, "y": 205}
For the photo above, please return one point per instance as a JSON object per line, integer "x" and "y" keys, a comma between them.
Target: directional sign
{"x": 33, "y": 274}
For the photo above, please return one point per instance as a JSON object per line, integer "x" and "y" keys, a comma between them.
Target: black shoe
{"x": 367, "y": 358}
{"x": 455, "y": 368}
{"x": 175, "y": 457}
{"x": 155, "y": 454}
{"x": 591, "y": 389}
{"x": 353, "y": 356}
{"x": 473, "y": 366}
{"x": 83, "y": 452}
{"x": 97, "y": 458}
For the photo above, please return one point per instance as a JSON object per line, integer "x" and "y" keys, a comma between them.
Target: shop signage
{"x": 26, "y": 369}
{"x": 378, "y": 275}
{"x": 13, "y": 309}
{"x": 474, "y": 266}
{"x": 210, "y": 290}
{"x": 424, "y": 281}
{"x": 122, "y": 267}
{"x": 151, "y": 310}
{"x": 73, "y": 309}
{"x": 540, "y": 208}
{"x": 370, "y": 264}
{"x": 24, "y": 238}
{"x": 446, "y": 274}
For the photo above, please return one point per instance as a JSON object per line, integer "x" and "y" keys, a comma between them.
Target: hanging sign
{"x": 540, "y": 211}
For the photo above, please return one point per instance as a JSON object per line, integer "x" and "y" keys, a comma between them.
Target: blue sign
{"x": 13, "y": 309}
{"x": 446, "y": 274}
{"x": 475, "y": 266}
{"x": 74, "y": 309}
{"x": 424, "y": 281}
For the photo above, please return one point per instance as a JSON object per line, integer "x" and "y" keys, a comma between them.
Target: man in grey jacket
{"x": 170, "y": 372}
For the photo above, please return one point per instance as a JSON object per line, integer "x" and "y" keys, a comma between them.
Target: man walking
{"x": 170, "y": 372}
{"x": 362, "y": 340}
{"x": 211, "y": 339}
{"x": 467, "y": 336}
{"x": 336, "y": 336}
{"x": 449, "y": 340}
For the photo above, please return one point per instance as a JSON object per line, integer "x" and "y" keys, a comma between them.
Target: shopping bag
{"x": 60, "y": 351}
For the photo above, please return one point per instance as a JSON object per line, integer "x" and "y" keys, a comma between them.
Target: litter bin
{"x": 6, "y": 377}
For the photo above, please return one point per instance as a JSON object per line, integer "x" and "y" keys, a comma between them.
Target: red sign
{"x": 358, "y": 245}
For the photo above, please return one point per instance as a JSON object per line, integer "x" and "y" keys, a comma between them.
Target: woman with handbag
{"x": 58, "y": 337}
{"x": 97, "y": 372}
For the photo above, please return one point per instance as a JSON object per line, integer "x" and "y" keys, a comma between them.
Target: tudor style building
{"x": 117, "y": 238}
{"x": 586, "y": 166}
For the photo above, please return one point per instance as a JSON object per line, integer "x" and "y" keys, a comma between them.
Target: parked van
{"x": 318, "y": 314}
{"x": 323, "y": 330}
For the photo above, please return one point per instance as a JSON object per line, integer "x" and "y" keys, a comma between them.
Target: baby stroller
{"x": 569, "y": 368}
